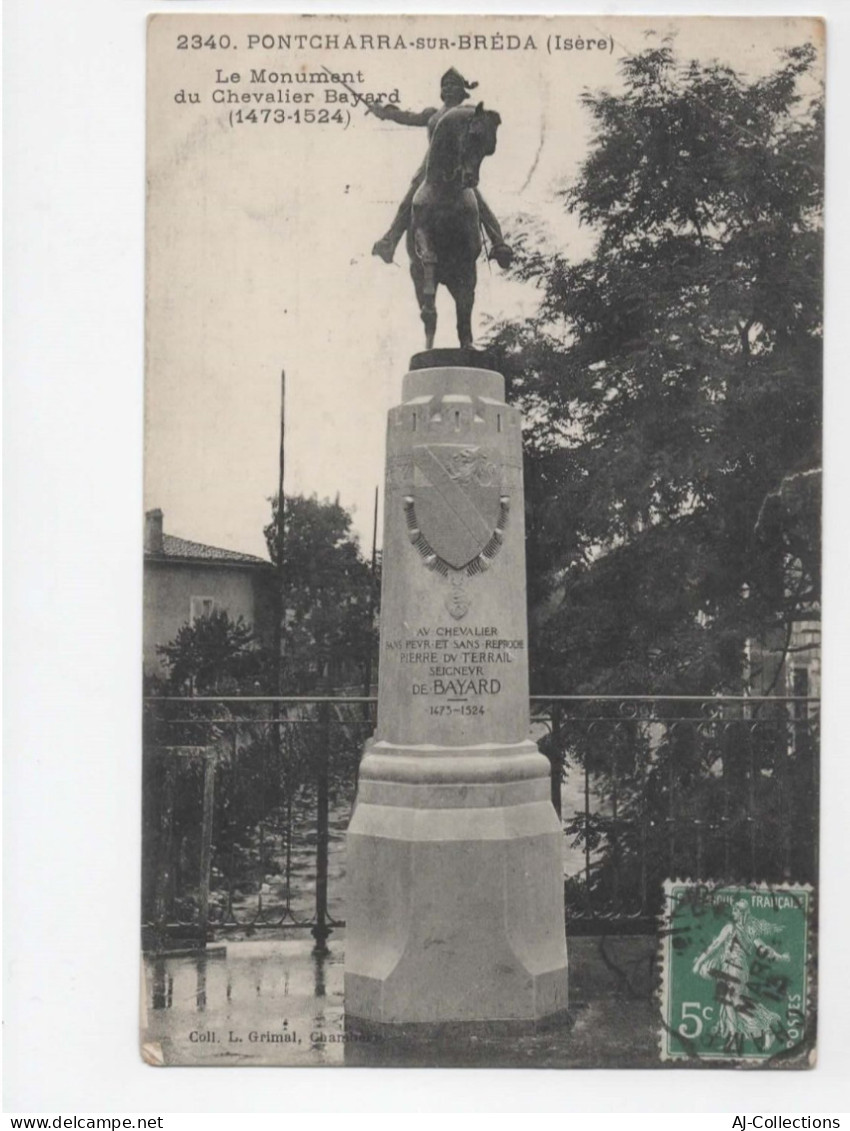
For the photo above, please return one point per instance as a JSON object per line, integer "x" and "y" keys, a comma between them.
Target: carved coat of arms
{"x": 456, "y": 511}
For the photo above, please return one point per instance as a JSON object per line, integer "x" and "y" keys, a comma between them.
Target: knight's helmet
{"x": 454, "y": 78}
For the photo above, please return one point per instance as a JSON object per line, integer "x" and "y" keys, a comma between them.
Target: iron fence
{"x": 246, "y": 802}
{"x": 715, "y": 789}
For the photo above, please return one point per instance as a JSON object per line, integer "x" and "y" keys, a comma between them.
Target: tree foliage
{"x": 330, "y": 598}
{"x": 672, "y": 379}
{"x": 213, "y": 655}
{"x": 329, "y": 594}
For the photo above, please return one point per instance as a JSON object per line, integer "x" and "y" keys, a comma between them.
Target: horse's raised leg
{"x": 427, "y": 306}
{"x": 425, "y": 279}
{"x": 428, "y": 314}
{"x": 462, "y": 288}
{"x": 464, "y": 321}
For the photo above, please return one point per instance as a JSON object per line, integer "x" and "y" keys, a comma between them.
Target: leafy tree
{"x": 672, "y": 383}
{"x": 213, "y": 655}
{"x": 672, "y": 380}
{"x": 328, "y": 591}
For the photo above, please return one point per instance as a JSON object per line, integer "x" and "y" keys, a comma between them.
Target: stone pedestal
{"x": 455, "y": 906}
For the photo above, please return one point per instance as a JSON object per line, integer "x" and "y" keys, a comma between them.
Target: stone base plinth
{"x": 455, "y": 887}
{"x": 455, "y": 908}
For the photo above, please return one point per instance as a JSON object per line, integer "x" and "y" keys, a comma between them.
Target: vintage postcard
{"x": 482, "y": 541}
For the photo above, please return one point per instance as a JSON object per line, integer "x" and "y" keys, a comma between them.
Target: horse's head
{"x": 463, "y": 138}
{"x": 478, "y": 142}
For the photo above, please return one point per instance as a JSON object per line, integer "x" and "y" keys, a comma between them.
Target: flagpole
{"x": 279, "y": 547}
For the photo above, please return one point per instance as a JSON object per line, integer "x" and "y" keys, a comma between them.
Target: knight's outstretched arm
{"x": 402, "y": 117}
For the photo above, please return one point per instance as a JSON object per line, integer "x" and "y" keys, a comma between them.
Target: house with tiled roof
{"x": 184, "y": 580}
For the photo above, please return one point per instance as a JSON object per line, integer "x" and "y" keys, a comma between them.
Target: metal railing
{"x": 711, "y": 788}
{"x": 246, "y": 802}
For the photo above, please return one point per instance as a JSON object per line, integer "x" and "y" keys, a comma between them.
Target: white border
{"x": 73, "y": 306}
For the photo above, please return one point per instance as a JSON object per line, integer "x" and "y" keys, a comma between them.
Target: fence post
{"x": 206, "y": 846}
{"x": 321, "y": 930}
{"x": 167, "y": 774}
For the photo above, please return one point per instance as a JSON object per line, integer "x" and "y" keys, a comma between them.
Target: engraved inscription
{"x": 456, "y": 664}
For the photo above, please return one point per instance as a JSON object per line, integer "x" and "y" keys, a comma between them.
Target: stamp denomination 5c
{"x": 735, "y": 971}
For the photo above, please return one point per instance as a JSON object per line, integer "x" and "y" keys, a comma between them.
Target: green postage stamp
{"x": 735, "y": 972}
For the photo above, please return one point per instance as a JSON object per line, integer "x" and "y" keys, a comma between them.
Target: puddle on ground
{"x": 270, "y": 1001}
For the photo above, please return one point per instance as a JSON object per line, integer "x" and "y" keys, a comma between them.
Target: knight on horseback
{"x": 454, "y": 89}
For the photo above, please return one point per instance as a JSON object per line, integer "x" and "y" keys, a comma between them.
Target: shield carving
{"x": 456, "y": 496}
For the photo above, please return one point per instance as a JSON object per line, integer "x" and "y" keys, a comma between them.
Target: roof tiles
{"x": 173, "y": 547}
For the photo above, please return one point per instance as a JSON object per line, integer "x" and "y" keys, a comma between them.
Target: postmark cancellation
{"x": 736, "y": 981}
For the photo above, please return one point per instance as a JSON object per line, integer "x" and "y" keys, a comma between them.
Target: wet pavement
{"x": 272, "y": 1002}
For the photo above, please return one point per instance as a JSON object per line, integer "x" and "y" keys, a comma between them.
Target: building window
{"x": 200, "y": 607}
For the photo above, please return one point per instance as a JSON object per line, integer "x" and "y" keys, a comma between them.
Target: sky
{"x": 259, "y": 238}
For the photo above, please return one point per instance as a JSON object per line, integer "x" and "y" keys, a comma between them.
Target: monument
{"x": 455, "y": 903}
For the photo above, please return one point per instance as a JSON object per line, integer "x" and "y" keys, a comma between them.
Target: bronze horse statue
{"x": 444, "y": 236}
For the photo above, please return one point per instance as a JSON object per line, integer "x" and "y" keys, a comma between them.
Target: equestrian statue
{"x": 443, "y": 212}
